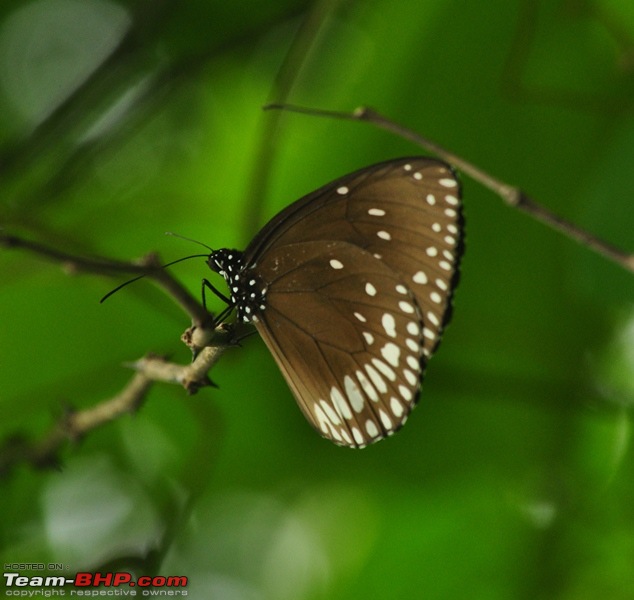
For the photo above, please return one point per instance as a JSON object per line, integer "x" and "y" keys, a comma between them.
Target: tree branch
{"x": 207, "y": 340}
{"x": 72, "y": 427}
{"x": 208, "y": 346}
{"x": 511, "y": 195}
{"x": 149, "y": 266}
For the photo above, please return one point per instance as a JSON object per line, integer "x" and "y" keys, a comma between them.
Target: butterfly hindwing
{"x": 348, "y": 336}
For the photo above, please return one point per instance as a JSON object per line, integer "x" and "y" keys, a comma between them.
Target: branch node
{"x": 67, "y": 427}
{"x": 151, "y": 260}
{"x": 192, "y": 386}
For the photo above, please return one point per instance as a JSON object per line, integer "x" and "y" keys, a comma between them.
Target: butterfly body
{"x": 350, "y": 287}
{"x": 247, "y": 292}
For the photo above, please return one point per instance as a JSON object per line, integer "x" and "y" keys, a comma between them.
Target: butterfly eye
{"x": 351, "y": 288}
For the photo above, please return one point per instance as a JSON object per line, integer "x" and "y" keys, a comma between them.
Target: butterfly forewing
{"x": 346, "y": 332}
{"x": 405, "y": 212}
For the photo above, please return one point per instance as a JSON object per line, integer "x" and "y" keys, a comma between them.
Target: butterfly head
{"x": 225, "y": 262}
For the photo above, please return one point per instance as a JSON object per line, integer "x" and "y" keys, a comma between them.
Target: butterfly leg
{"x": 207, "y": 284}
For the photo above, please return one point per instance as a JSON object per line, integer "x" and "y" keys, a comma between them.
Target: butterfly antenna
{"x": 169, "y": 264}
{"x": 182, "y": 237}
{"x": 111, "y": 292}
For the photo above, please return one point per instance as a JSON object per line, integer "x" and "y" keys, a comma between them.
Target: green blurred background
{"x": 514, "y": 476}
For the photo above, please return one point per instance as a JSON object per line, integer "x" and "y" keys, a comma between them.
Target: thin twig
{"x": 148, "y": 266}
{"x": 76, "y": 424}
{"x": 207, "y": 340}
{"x": 72, "y": 427}
{"x": 511, "y": 195}
{"x": 196, "y": 374}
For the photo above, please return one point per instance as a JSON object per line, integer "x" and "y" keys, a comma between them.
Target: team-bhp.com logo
{"x": 93, "y": 585}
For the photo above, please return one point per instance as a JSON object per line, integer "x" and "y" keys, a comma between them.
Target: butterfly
{"x": 350, "y": 288}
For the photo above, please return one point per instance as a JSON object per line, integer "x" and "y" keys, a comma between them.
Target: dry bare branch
{"x": 207, "y": 340}
{"x": 511, "y": 195}
{"x": 149, "y": 266}
{"x": 72, "y": 427}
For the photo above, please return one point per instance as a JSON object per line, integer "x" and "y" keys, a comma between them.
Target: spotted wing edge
{"x": 284, "y": 219}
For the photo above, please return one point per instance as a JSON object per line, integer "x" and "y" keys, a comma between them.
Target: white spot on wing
{"x": 370, "y": 290}
{"x": 432, "y": 251}
{"x": 358, "y": 438}
{"x": 336, "y": 264}
{"x": 330, "y": 413}
{"x": 448, "y": 183}
{"x": 360, "y": 317}
{"x": 369, "y": 338}
{"x": 371, "y": 428}
{"x": 377, "y": 380}
{"x": 389, "y": 324}
{"x": 367, "y": 386}
{"x": 411, "y": 377}
{"x": 406, "y": 307}
{"x": 387, "y": 371}
{"x": 343, "y": 190}
{"x": 413, "y": 345}
{"x": 385, "y": 420}
{"x": 384, "y": 235}
{"x": 420, "y": 277}
{"x": 340, "y": 402}
{"x": 396, "y": 408}
{"x": 413, "y": 328}
{"x": 324, "y": 424}
{"x": 392, "y": 353}
{"x": 354, "y": 393}
{"x": 405, "y": 392}
{"x": 376, "y": 212}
